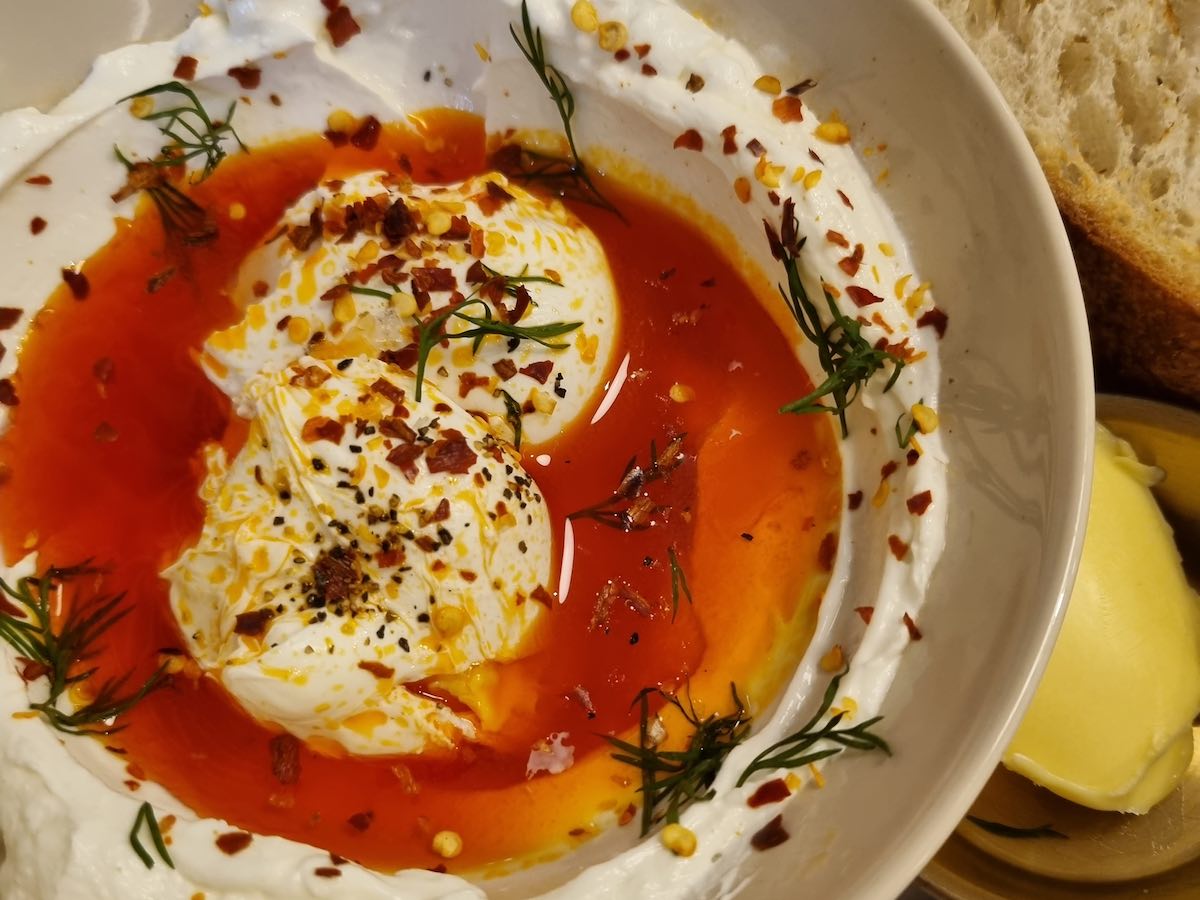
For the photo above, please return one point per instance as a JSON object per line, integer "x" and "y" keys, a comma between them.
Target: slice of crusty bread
{"x": 1108, "y": 92}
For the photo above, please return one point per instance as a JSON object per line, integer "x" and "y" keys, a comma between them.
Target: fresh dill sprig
{"x": 567, "y": 172}
{"x": 145, "y": 816}
{"x": 628, "y": 508}
{"x": 192, "y": 131}
{"x": 511, "y": 283}
{"x": 60, "y": 654}
{"x": 678, "y": 582}
{"x": 847, "y": 358}
{"x": 674, "y": 779}
{"x": 371, "y": 292}
{"x": 184, "y": 221}
{"x": 432, "y": 331}
{"x": 797, "y": 749}
{"x": 1012, "y": 831}
{"x": 904, "y": 435}
{"x": 512, "y": 412}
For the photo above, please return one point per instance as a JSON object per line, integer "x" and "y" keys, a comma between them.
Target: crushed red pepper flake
{"x": 770, "y": 835}
{"x": 361, "y": 821}
{"x": 851, "y": 264}
{"x": 378, "y": 669}
{"x": 366, "y": 136}
{"x": 505, "y": 368}
{"x": 104, "y": 433}
{"x": 898, "y": 547}
{"x": 394, "y": 426}
{"x": 39, "y": 180}
{"x": 695, "y": 83}
{"x": 729, "y": 136}
{"x": 539, "y": 371}
{"x": 450, "y": 454}
{"x": 861, "y": 296}
{"x": 542, "y": 596}
{"x": 865, "y": 613}
{"x": 322, "y": 428}
{"x": 185, "y": 69}
{"x": 327, "y": 872}
{"x": 9, "y": 316}
{"x": 827, "y": 552}
{"x": 158, "y": 280}
{"x": 641, "y": 50}
{"x": 248, "y": 77}
{"x": 836, "y": 237}
{"x": 253, "y": 624}
{"x": 77, "y": 282}
{"x": 622, "y": 55}
{"x": 627, "y": 815}
{"x": 608, "y": 596}
{"x": 404, "y": 457}
{"x": 788, "y": 109}
{"x": 888, "y": 469}
{"x": 689, "y": 140}
{"x": 37, "y": 225}
{"x": 919, "y": 503}
{"x": 773, "y": 791}
{"x": 913, "y": 631}
{"x": 285, "y": 758}
{"x": 433, "y": 278}
{"x": 935, "y": 319}
{"x": 756, "y": 148}
{"x": 336, "y": 574}
{"x": 854, "y": 500}
{"x": 8, "y": 393}
{"x": 234, "y": 842}
{"x": 649, "y": 70}
{"x": 801, "y": 87}
{"x": 341, "y": 25}
{"x": 31, "y": 670}
{"x": 845, "y": 199}
{"x": 912, "y": 457}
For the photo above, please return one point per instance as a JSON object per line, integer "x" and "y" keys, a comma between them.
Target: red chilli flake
{"x": 341, "y": 26}
{"x": 788, "y": 109}
{"x": 898, "y": 547}
{"x": 233, "y": 842}
{"x": 505, "y": 368}
{"x": 695, "y": 83}
{"x": 854, "y": 501}
{"x": 836, "y": 237}
{"x": 285, "y": 758}
{"x": 539, "y": 371}
{"x": 641, "y": 50}
{"x": 327, "y": 872}
{"x": 361, "y": 821}
{"x": 9, "y": 316}
{"x": 378, "y": 669}
{"x": 935, "y": 319}
{"x": 918, "y": 503}
{"x": 39, "y": 180}
{"x": 827, "y": 552}
{"x": 770, "y": 835}
{"x": 850, "y": 265}
{"x": 861, "y": 296}
{"x": 913, "y": 631}
{"x": 689, "y": 140}
{"x": 729, "y": 135}
{"x": 77, "y": 282}
{"x": 8, "y": 393}
{"x": 253, "y": 624}
{"x": 888, "y": 469}
{"x": 773, "y": 791}
{"x": 37, "y": 225}
{"x": 185, "y": 69}
{"x": 865, "y": 613}
{"x": 248, "y": 77}
{"x": 648, "y": 70}
{"x": 104, "y": 433}
{"x": 451, "y": 454}
{"x": 366, "y": 136}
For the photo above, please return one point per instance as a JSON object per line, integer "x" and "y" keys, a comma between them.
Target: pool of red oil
{"x": 104, "y": 462}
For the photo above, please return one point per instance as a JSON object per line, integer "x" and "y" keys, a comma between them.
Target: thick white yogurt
{"x": 66, "y": 815}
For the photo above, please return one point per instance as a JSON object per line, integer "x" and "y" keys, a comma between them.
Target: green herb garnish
{"x": 192, "y": 131}
{"x": 145, "y": 816}
{"x": 674, "y": 779}
{"x": 512, "y": 412}
{"x": 61, "y": 654}
{"x": 371, "y": 292}
{"x": 847, "y": 358}
{"x": 1012, "y": 831}
{"x": 184, "y": 221}
{"x": 678, "y": 582}
{"x": 432, "y": 332}
{"x": 629, "y": 508}
{"x": 797, "y": 749}
{"x": 570, "y": 177}
{"x": 904, "y": 436}
{"x": 511, "y": 283}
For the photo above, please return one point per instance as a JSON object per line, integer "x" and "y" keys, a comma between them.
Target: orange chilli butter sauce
{"x": 104, "y": 461}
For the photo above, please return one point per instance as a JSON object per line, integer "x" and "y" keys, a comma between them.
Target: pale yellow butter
{"x": 1111, "y": 724}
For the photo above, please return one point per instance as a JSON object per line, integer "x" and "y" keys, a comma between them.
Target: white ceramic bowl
{"x": 1017, "y": 404}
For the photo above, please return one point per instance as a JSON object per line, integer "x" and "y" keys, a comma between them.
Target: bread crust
{"x": 1143, "y": 311}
